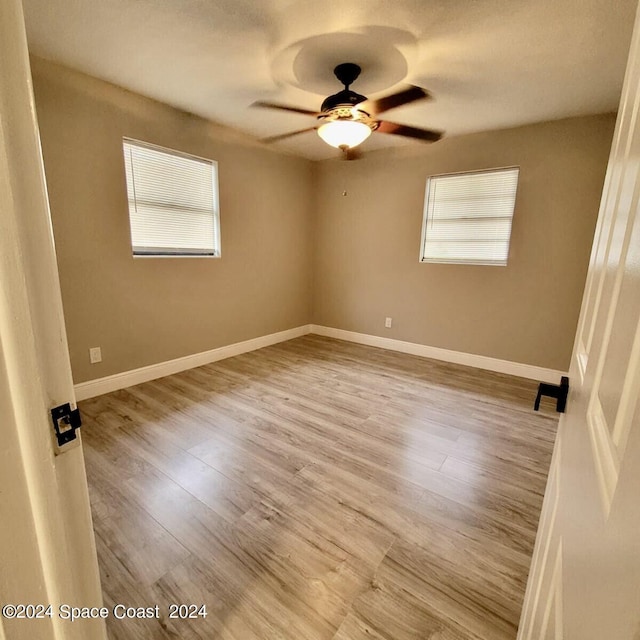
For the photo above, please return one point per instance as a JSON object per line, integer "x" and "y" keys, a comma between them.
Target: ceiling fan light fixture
{"x": 344, "y": 133}
{"x": 347, "y": 119}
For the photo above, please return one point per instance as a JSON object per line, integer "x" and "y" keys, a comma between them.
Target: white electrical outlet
{"x": 95, "y": 355}
{"x": 387, "y": 323}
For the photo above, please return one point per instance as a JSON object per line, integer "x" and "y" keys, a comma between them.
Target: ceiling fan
{"x": 347, "y": 119}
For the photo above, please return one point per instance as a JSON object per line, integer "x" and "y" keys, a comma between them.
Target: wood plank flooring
{"x": 319, "y": 490}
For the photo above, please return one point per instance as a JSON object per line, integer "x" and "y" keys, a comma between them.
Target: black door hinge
{"x": 65, "y": 423}
{"x": 557, "y": 391}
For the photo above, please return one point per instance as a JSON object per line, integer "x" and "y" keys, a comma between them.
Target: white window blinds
{"x": 467, "y": 217}
{"x": 173, "y": 202}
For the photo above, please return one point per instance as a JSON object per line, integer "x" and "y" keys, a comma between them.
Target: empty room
{"x": 319, "y": 320}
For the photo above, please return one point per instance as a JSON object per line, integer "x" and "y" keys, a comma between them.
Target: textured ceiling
{"x": 489, "y": 63}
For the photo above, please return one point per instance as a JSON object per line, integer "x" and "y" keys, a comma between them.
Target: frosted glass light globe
{"x": 344, "y": 133}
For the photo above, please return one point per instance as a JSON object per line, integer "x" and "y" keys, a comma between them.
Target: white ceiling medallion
{"x": 308, "y": 64}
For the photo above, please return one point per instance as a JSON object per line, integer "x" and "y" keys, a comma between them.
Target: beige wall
{"x": 149, "y": 310}
{"x": 367, "y": 244}
{"x": 295, "y": 250}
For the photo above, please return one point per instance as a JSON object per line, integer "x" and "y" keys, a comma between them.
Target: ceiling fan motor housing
{"x": 345, "y": 98}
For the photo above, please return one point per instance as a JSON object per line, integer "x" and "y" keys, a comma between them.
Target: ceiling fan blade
{"x": 409, "y": 132}
{"x": 282, "y": 136}
{"x": 282, "y": 107}
{"x": 410, "y": 93}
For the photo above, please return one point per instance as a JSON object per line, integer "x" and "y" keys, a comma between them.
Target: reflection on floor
{"x": 318, "y": 489}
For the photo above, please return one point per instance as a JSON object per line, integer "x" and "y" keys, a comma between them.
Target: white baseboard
{"x": 457, "y": 357}
{"x": 117, "y": 381}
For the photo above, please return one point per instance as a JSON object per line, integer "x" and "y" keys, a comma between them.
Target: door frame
{"x": 47, "y": 554}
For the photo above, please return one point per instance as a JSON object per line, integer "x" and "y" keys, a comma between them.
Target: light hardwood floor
{"x": 319, "y": 490}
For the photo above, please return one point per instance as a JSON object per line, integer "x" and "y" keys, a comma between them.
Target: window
{"x": 467, "y": 217}
{"x": 173, "y": 202}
